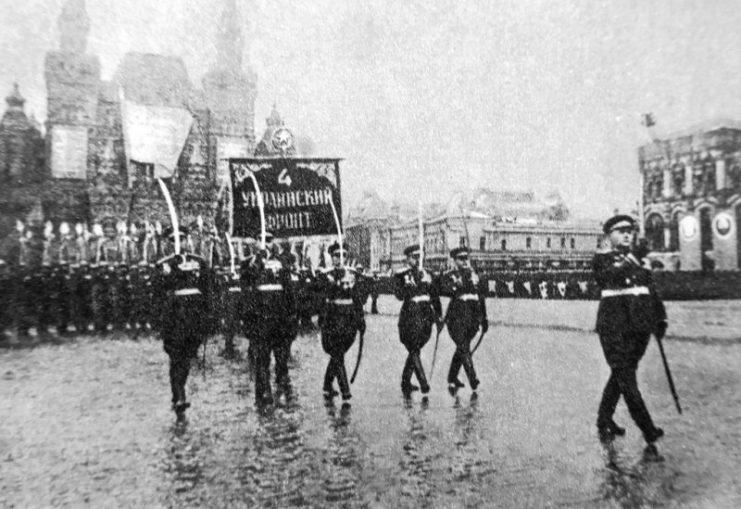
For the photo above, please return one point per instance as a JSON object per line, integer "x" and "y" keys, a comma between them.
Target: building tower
{"x": 229, "y": 92}
{"x": 21, "y": 146}
{"x": 72, "y": 85}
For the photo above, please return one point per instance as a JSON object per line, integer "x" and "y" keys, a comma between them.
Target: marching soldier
{"x": 231, "y": 308}
{"x": 183, "y": 292}
{"x": 269, "y": 317}
{"x": 341, "y": 320}
{"x": 421, "y": 308}
{"x": 629, "y": 312}
{"x": 465, "y": 314}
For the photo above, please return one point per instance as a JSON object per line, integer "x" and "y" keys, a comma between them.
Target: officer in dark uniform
{"x": 307, "y": 297}
{"x": 270, "y": 318}
{"x": 230, "y": 307}
{"x": 342, "y": 318}
{"x": 629, "y": 312}
{"x": 182, "y": 292}
{"x": 465, "y": 314}
{"x": 421, "y": 308}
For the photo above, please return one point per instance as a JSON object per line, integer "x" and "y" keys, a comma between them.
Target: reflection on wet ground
{"x": 88, "y": 423}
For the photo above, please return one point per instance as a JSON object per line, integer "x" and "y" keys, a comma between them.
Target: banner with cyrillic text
{"x": 297, "y": 195}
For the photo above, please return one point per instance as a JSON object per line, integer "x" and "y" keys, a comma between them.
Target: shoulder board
{"x": 606, "y": 250}
{"x": 401, "y": 271}
{"x": 326, "y": 270}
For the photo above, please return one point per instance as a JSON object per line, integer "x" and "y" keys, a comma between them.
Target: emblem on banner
{"x": 688, "y": 227}
{"x": 723, "y": 224}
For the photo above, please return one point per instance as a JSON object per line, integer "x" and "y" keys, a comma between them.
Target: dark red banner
{"x": 297, "y": 193}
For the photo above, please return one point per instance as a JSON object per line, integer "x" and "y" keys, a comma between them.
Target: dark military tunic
{"x": 465, "y": 314}
{"x": 230, "y": 307}
{"x": 342, "y": 318}
{"x": 420, "y": 310}
{"x": 629, "y": 312}
{"x": 182, "y": 292}
{"x": 270, "y": 319}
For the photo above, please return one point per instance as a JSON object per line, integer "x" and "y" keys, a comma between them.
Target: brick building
{"x": 85, "y": 170}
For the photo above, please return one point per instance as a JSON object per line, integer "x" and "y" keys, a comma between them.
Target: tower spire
{"x": 15, "y": 100}
{"x": 74, "y": 27}
{"x": 229, "y": 39}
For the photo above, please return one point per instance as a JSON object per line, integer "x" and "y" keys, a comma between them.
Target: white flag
{"x": 155, "y": 135}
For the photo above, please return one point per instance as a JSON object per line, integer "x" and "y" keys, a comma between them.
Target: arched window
{"x": 548, "y": 242}
{"x": 528, "y": 243}
{"x": 655, "y": 232}
{"x": 504, "y": 244}
{"x": 573, "y": 243}
{"x": 674, "y": 233}
{"x": 678, "y": 180}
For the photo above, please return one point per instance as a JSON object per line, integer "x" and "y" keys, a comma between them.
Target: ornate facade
{"x": 81, "y": 172}
{"x": 692, "y": 197}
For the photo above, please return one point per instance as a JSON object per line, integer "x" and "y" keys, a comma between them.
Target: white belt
{"x": 187, "y": 291}
{"x": 468, "y": 296}
{"x": 235, "y": 289}
{"x": 635, "y": 290}
{"x": 421, "y": 298}
{"x": 342, "y": 302}
{"x": 269, "y": 288}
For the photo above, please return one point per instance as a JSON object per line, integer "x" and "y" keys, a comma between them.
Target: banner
{"x": 69, "y": 152}
{"x": 155, "y": 135}
{"x": 297, "y": 194}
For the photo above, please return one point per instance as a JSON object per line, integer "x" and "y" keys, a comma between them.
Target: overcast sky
{"x": 425, "y": 97}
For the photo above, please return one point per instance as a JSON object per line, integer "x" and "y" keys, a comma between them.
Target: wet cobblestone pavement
{"x": 87, "y": 422}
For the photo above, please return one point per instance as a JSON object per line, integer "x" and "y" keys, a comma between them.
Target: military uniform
{"x": 342, "y": 318}
{"x": 141, "y": 298}
{"x": 270, "y": 321}
{"x": 183, "y": 290}
{"x": 420, "y": 310}
{"x": 230, "y": 308}
{"x": 465, "y": 314}
{"x": 629, "y": 312}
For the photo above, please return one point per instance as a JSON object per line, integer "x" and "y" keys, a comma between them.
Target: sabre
{"x": 231, "y": 251}
{"x": 173, "y": 215}
{"x": 360, "y": 356}
{"x": 437, "y": 340}
{"x": 478, "y": 343}
{"x": 669, "y": 375}
{"x": 261, "y": 206}
{"x": 339, "y": 231}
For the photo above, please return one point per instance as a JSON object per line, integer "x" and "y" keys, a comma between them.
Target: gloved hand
{"x": 484, "y": 326}
{"x": 661, "y": 330}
